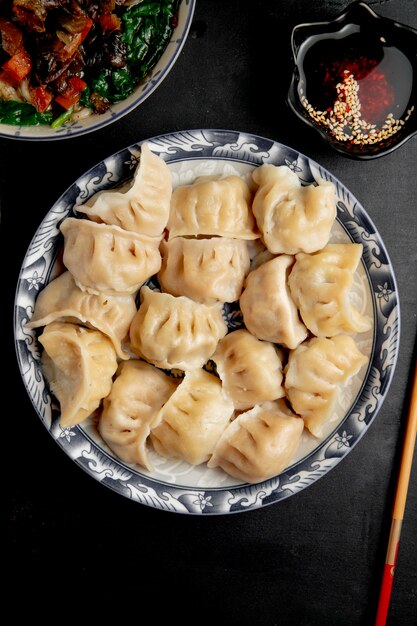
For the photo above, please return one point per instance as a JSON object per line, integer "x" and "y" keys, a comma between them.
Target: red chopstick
{"x": 399, "y": 506}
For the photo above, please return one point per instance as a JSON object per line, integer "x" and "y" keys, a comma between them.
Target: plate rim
{"x": 241, "y": 497}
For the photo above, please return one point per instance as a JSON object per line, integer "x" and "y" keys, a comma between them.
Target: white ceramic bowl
{"x": 118, "y": 110}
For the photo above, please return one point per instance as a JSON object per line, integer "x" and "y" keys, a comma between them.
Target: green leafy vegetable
{"x": 147, "y": 28}
{"x": 101, "y": 84}
{"x": 145, "y": 8}
{"x": 22, "y": 114}
{"x": 85, "y": 97}
{"x": 62, "y": 118}
{"x": 123, "y": 83}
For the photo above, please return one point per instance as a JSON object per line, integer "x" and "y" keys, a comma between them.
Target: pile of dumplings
{"x": 275, "y": 376}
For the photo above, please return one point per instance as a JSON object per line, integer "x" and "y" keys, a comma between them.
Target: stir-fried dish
{"x": 65, "y": 58}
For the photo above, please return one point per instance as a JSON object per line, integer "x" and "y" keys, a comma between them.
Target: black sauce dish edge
{"x": 400, "y": 35}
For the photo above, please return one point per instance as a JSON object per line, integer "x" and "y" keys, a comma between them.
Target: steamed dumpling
{"x": 175, "y": 332}
{"x": 250, "y": 369}
{"x": 79, "y": 364}
{"x": 107, "y": 259}
{"x": 292, "y": 218}
{"x": 138, "y": 393}
{"x": 320, "y": 285}
{"x": 62, "y": 300}
{"x": 191, "y": 422}
{"x": 313, "y": 376}
{"x": 260, "y": 443}
{"x": 144, "y": 207}
{"x": 205, "y": 270}
{"x": 268, "y": 309}
{"x": 212, "y": 206}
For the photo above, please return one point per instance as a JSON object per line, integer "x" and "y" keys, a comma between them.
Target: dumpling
{"x": 107, "y": 259}
{"x": 204, "y": 270}
{"x": 62, "y": 300}
{"x": 250, "y": 369}
{"x": 212, "y": 206}
{"x": 260, "y": 443}
{"x": 314, "y": 373}
{"x": 292, "y": 218}
{"x": 268, "y": 310}
{"x": 79, "y": 364}
{"x": 320, "y": 285}
{"x": 175, "y": 332}
{"x": 192, "y": 420}
{"x": 144, "y": 207}
{"x": 137, "y": 395}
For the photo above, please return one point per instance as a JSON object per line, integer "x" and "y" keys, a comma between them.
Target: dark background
{"x": 314, "y": 559}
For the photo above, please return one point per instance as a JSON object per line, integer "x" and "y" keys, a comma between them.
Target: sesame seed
{"x": 344, "y": 120}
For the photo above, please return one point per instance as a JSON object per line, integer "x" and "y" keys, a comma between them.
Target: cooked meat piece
{"x": 33, "y": 13}
{"x": 114, "y": 51}
{"x": 100, "y": 104}
{"x": 11, "y": 37}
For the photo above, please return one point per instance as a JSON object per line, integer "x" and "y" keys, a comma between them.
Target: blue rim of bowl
{"x": 293, "y": 100}
{"x": 230, "y": 146}
{"x": 148, "y": 86}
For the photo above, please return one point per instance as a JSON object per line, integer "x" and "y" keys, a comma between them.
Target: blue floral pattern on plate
{"x": 232, "y": 149}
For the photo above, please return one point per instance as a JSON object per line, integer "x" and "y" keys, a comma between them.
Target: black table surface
{"x": 313, "y": 559}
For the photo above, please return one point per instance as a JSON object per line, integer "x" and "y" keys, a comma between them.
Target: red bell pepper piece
{"x": 41, "y": 98}
{"x": 71, "y": 94}
{"x": 86, "y": 29}
{"x": 75, "y": 85}
{"x": 7, "y": 78}
{"x": 67, "y": 101}
{"x": 19, "y": 65}
{"x": 109, "y": 22}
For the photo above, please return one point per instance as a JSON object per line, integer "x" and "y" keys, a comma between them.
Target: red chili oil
{"x": 384, "y": 73}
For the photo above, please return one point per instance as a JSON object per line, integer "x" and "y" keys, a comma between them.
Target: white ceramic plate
{"x": 118, "y": 110}
{"x": 174, "y": 485}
